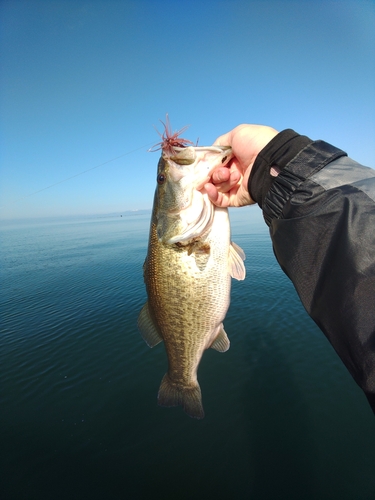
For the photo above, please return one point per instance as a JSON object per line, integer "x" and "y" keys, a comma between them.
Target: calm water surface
{"x": 78, "y": 411}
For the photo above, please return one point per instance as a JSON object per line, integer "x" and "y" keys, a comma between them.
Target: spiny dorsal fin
{"x": 221, "y": 343}
{"x": 147, "y": 328}
{"x": 236, "y": 266}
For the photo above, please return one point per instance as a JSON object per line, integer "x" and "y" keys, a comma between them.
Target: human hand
{"x": 228, "y": 186}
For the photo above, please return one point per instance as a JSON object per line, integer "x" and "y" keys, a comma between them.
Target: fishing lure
{"x": 169, "y": 140}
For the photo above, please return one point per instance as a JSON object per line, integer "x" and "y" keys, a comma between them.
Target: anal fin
{"x": 221, "y": 342}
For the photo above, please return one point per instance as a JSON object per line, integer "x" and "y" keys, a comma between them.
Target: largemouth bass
{"x": 188, "y": 271}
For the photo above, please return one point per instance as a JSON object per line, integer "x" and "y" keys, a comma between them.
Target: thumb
{"x": 223, "y": 140}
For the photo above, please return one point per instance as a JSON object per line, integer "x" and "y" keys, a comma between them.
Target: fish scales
{"x": 187, "y": 273}
{"x": 188, "y": 302}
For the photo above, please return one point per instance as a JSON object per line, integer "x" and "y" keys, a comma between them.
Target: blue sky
{"x": 83, "y": 82}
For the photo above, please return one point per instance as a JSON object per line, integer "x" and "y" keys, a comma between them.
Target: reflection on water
{"x": 78, "y": 388}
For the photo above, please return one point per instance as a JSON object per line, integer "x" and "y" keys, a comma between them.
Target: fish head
{"x": 183, "y": 212}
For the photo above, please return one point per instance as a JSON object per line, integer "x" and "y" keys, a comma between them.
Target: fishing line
{"x": 73, "y": 176}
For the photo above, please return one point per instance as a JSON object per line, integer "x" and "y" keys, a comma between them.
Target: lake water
{"x": 78, "y": 410}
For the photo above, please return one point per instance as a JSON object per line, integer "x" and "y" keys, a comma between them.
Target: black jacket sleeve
{"x": 320, "y": 210}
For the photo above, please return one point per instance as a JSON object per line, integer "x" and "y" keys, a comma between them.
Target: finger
{"x": 220, "y": 175}
{"x": 223, "y": 175}
{"x": 223, "y": 140}
{"x": 235, "y": 178}
{"x": 217, "y": 198}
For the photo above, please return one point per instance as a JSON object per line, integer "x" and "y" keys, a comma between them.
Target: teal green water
{"x": 78, "y": 411}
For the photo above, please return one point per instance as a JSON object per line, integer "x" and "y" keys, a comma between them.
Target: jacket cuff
{"x": 277, "y": 153}
{"x": 309, "y": 161}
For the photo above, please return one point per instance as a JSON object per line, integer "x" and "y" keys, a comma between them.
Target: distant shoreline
{"x": 113, "y": 215}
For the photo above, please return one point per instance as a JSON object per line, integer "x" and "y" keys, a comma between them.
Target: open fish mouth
{"x": 207, "y": 157}
{"x": 196, "y": 217}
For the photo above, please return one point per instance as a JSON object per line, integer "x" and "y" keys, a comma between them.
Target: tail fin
{"x": 189, "y": 398}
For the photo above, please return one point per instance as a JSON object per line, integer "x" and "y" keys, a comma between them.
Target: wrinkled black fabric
{"x": 277, "y": 153}
{"x": 324, "y": 240}
{"x": 326, "y": 248}
{"x": 307, "y": 162}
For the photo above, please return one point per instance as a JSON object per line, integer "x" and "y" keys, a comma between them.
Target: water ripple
{"x": 78, "y": 385}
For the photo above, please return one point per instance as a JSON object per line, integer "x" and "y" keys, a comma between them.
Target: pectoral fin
{"x": 147, "y": 327}
{"x": 236, "y": 266}
{"x": 221, "y": 342}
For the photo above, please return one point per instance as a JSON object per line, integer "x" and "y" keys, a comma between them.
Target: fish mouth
{"x": 197, "y": 216}
{"x": 200, "y": 161}
{"x": 221, "y": 155}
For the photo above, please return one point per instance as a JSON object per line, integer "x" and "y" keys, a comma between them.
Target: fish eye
{"x": 160, "y": 179}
